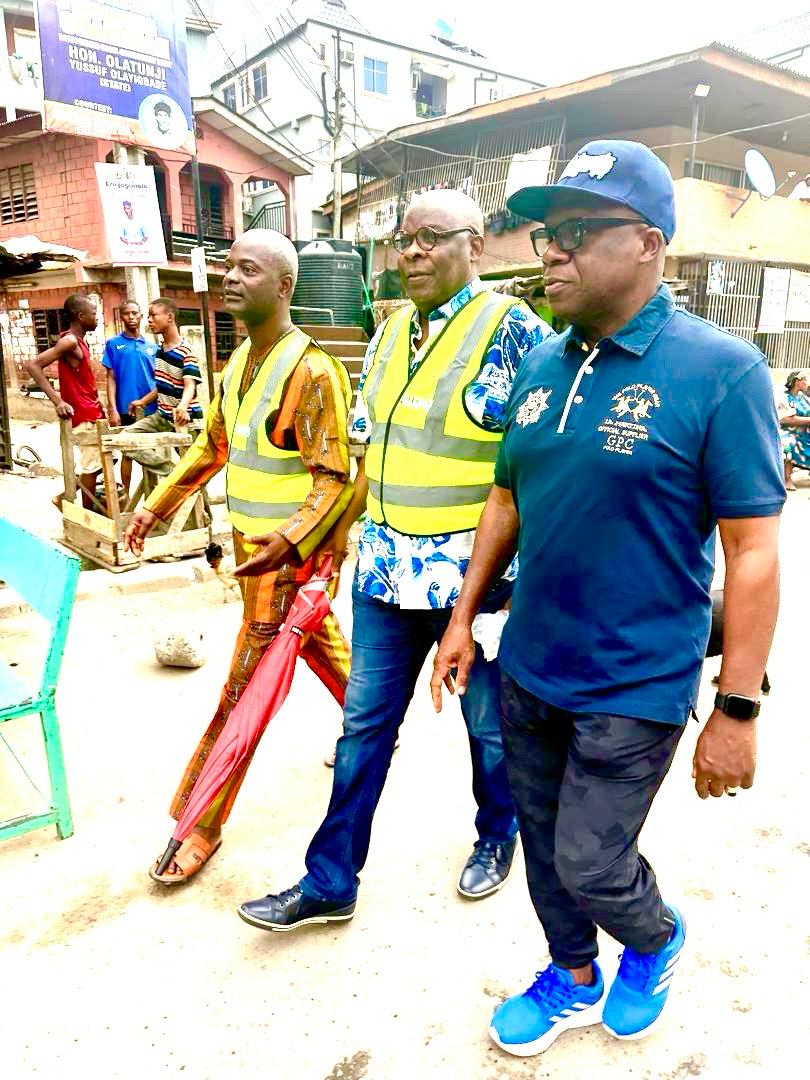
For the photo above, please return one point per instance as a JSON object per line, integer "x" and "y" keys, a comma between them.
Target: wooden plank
{"x": 89, "y": 543}
{"x": 192, "y": 542}
{"x": 110, "y": 483}
{"x": 335, "y": 333}
{"x": 182, "y": 515}
{"x": 68, "y": 465}
{"x": 145, "y": 440}
{"x": 101, "y": 552}
{"x": 134, "y": 498}
{"x": 84, "y": 438}
{"x": 342, "y": 350}
{"x": 102, "y": 527}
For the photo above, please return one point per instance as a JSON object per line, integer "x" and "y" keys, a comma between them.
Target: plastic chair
{"x": 45, "y": 577}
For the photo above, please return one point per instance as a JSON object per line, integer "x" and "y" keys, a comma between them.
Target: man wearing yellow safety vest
{"x": 430, "y": 407}
{"x": 278, "y": 426}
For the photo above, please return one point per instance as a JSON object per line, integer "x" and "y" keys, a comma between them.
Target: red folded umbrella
{"x": 260, "y": 701}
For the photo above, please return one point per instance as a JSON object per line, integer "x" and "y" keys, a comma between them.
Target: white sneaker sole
{"x": 481, "y": 895}
{"x": 648, "y": 1030}
{"x": 584, "y": 1018}
{"x": 315, "y": 920}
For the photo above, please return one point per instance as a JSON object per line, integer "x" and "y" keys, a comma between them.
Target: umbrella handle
{"x": 168, "y": 855}
{"x": 325, "y": 567}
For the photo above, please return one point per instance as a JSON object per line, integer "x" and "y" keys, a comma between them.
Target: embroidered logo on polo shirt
{"x": 625, "y": 426}
{"x": 535, "y": 403}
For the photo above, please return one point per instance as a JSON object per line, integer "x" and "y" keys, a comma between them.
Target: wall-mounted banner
{"x": 110, "y": 72}
{"x": 773, "y": 307}
{"x": 131, "y": 215}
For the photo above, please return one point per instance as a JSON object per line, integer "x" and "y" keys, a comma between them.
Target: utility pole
{"x": 198, "y": 211}
{"x": 337, "y": 162}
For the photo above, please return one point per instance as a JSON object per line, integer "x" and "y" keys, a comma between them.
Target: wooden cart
{"x": 98, "y": 533}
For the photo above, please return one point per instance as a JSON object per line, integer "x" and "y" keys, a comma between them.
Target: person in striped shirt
{"x": 177, "y": 375}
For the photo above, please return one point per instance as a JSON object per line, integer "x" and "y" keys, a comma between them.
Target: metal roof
{"x": 746, "y": 94}
{"x": 779, "y": 39}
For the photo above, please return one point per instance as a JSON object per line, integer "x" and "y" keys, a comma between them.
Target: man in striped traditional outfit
{"x": 278, "y": 422}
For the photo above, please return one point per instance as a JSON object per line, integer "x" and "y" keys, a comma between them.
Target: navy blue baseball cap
{"x": 607, "y": 170}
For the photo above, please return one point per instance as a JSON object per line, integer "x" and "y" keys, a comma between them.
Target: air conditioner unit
{"x": 347, "y": 54}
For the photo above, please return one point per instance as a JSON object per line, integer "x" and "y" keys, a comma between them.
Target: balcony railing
{"x": 179, "y": 244}
{"x": 270, "y": 217}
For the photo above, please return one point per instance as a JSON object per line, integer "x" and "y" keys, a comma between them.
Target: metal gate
{"x": 728, "y": 292}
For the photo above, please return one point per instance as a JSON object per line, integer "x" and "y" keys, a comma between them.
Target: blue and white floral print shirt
{"x": 427, "y": 571}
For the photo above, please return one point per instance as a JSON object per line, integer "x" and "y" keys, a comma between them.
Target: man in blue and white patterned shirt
{"x": 430, "y": 408}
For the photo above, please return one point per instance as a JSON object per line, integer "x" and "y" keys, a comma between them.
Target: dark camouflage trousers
{"x": 583, "y": 785}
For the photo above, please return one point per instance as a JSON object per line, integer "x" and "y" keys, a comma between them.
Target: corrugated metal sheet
{"x": 479, "y": 167}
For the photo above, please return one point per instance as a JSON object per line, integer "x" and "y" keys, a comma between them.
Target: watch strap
{"x": 737, "y": 706}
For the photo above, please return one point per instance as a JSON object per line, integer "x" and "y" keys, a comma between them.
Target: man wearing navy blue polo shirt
{"x": 629, "y": 438}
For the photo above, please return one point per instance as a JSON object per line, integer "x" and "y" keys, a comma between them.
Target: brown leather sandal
{"x": 191, "y": 857}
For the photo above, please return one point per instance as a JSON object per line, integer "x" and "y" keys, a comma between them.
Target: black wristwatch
{"x": 737, "y": 706}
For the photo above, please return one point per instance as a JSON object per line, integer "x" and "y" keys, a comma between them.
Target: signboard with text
{"x": 131, "y": 215}
{"x": 775, "y": 287}
{"x": 111, "y": 72}
{"x": 798, "y": 305}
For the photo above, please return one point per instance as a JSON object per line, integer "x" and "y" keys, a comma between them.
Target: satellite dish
{"x": 759, "y": 172}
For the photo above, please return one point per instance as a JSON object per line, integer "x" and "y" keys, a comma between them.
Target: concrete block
{"x": 181, "y": 647}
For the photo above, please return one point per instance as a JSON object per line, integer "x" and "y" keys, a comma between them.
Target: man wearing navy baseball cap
{"x": 629, "y": 438}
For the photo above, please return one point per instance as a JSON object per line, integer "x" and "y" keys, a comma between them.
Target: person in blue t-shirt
{"x": 629, "y": 439}
{"x": 130, "y": 364}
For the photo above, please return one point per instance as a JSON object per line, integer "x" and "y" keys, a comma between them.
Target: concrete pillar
{"x": 142, "y": 281}
{"x": 196, "y": 340}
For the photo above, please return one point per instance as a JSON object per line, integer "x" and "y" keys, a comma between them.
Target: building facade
{"x": 287, "y": 87}
{"x": 727, "y": 235}
{"x": 48, "y": 192}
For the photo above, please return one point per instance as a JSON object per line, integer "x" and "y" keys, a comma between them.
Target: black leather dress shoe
{"x": 486, "y": 869}
{"x": 291, "y": 909}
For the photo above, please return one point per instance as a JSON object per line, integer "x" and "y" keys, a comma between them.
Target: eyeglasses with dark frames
{"x": 427, "y": 238}
{"x": 570, "y": 234}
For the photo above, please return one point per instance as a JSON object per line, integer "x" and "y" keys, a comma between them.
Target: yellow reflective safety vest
{"x": 429, "y": 465}
{"x": 264, "y": 485}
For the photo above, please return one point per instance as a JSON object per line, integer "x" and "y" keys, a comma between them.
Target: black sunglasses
{"x": 570, "y": 235}
{"x": 427, "y": 238}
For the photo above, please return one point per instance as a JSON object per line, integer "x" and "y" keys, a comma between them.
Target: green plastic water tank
{"x": 330, "y": 278}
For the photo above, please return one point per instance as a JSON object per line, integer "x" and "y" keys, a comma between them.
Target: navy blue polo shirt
{"x": 620, "y": 461}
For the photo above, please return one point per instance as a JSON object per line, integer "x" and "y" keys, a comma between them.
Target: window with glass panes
{"x": 259, "y": 77}
{"x": 375, "y": 75}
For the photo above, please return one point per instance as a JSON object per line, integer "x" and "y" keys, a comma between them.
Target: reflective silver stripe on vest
{"x": 431, "y": 439}
{"x": 250, "y": 458}
{"x": 263, "y": 510}
{"x": 422, "y": 497}
{"x": 384, "y": 353}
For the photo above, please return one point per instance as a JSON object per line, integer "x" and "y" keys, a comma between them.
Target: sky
{"x": 556, "y": 43}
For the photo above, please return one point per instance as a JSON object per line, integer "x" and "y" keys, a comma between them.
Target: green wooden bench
{"x": 45, "y": 577}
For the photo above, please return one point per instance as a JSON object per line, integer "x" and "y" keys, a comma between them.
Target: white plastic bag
{"x": 487, "y": 630}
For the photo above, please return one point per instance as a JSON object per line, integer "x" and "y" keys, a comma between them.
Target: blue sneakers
{"x": 639, "y": 991}
{"x": 530, "y": 1022}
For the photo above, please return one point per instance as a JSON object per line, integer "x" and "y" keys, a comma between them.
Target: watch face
{"x": 740, "y": 708}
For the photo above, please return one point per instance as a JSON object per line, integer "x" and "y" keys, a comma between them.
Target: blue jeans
{"x": 389, "y": 646}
